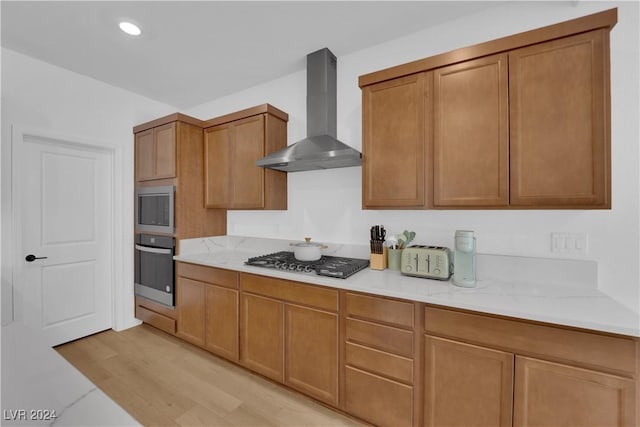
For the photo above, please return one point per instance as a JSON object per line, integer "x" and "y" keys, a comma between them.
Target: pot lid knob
{"x": 307, "y": 239}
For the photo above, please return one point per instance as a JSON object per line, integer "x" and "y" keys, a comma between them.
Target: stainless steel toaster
{"x": 431, "y": 262}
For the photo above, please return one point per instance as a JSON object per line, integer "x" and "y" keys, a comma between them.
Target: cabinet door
{"x": 394, "y": 138}
{"x": 144, "y": 155}
{"x": 466, "y": 385}
{"x": 559, "y": 108}
{"x": 471, "y": 133}
{"x": 190, "y": 302}
{"x": 247, "y": 179}
{"x": 262, "y": 335}
{"x": 549, "y": 393}
{"x": 378, "y": 400}
{"x": 217, "y": 143}
{"x": 165, "y": 151}
{"x": 221, "y": 330}
{"x": 311, "y": 352}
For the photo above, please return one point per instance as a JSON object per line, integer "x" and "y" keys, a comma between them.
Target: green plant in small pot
{"x": 395, "y": 251}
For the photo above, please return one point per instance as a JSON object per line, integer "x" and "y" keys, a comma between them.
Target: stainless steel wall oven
{"x": 154, "y": 267}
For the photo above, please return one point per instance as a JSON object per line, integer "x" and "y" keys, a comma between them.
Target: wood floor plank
{"x": 163, "y": 381}
{"x": 201, "y": 416}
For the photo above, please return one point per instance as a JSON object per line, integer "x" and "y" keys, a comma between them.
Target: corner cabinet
{"x": 521, "y": 122}
{"x": 232, "y": 144}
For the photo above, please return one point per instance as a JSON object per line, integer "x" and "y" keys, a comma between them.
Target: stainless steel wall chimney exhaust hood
{"x": 320, "y": 149}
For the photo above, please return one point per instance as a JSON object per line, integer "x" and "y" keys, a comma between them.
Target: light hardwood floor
{"x": 163, "y": 381}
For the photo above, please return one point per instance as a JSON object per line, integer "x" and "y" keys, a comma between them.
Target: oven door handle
{"x": 154, "y": 250}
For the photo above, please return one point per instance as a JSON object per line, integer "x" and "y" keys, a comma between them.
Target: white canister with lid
{"x": 464, "y": 261}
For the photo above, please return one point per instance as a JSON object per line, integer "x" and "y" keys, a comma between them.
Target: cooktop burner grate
{"x": 331, "y": 266}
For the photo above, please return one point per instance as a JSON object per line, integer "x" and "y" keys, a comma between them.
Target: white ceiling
{"x": 193, "y": 52}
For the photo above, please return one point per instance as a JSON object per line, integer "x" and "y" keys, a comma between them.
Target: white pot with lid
{"x": 307, "y": 250}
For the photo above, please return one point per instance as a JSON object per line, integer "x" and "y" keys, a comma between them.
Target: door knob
{"x": 32, "y": 257}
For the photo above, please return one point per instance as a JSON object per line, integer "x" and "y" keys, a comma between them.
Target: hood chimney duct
{"x": 320, "y": 149}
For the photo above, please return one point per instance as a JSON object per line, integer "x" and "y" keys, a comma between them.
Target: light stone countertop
{"x": 566, "y": 294}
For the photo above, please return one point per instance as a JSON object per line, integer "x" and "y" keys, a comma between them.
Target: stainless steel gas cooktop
{"x": 331, "y": 266}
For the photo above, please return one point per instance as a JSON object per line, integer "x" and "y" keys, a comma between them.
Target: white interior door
{"x": 65, "y": 220}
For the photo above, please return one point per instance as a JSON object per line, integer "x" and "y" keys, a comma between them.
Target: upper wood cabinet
{"x": 155, "y": 153}
{"x": 518, "y": 122}
{"x": 395, "y": 142}
{"x": 559, "y": 107}
{"x": 471, "y": 133}
{"x": 169, "y": 151}
{"x": 232, "y": 144}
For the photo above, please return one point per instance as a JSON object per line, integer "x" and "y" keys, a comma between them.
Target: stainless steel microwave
{"x": 155, "y": 209}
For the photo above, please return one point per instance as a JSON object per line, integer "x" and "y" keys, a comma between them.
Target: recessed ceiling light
{"x": 130, "y": 28}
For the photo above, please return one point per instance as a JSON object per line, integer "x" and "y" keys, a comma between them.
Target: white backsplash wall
{"x": 326, "y": 205}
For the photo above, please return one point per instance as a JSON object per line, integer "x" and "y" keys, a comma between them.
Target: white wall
{"x": 327, "y": 204}
{"x": 39, "y": 96}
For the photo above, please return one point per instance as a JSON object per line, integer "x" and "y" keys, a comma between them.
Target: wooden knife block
{"x": 378, "y": 261}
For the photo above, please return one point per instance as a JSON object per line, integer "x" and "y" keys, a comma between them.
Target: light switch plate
{"x": 574, "y": 243}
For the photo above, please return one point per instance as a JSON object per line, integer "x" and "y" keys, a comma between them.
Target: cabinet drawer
{"x": 381, "y": 309}
{"x": 286, "y": 290}
{"x": 591, "y": 349}
{"x": 216, "y": 276}
{"x": 169, "y": 312}
{"x": 392, "y": 366}
{"x": 386, "y": 338}
{"x": 378, "y": 400}
{"x": 155, "y": 319}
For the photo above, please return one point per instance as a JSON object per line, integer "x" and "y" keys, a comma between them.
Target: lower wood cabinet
{"x": 190, "y": 300}
{"x": 311, "y": 352}
{"x": 377, "y": 399}
{"x": 550, "y": 393}
{"x": 466, "y": 385}
{"x": 207, "y": 306}
{"x": 393, "y": 362}
{"x": 262, "y": 335}
{"x": 588, "y": 379}
{"x": 379, "y": 383}
{"x": 156, "y": 314}
{"x": 221, "y": 321}
{"x": 287, "y": 341}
